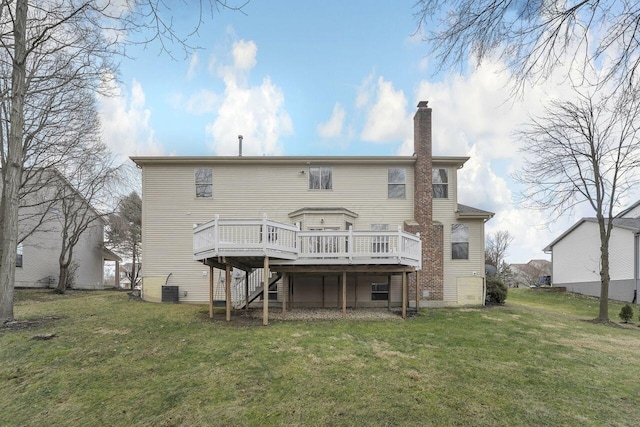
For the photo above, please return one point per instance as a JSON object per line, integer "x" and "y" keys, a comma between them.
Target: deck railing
{"x": 247, "y": 238}
{"x": 243, "y": 236}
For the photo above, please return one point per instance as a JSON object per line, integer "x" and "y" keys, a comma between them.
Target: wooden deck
{"x": 287, "y": 245}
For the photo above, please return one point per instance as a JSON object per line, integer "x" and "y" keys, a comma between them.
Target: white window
{"x": 380, "y": 244}
{"x": 320, "y": 178}
{"x": 397, "y": 179}
{"x": 440, "y": 182}
{"x": 19, "y": 255}
{"x": 379, "y": 292}
{"x": 204, "y": 182}
{"x": 459, "y": 241}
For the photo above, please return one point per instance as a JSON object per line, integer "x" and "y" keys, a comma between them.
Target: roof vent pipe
{"x": 240, "y": 145}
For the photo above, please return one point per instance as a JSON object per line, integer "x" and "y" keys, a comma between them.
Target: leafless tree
{"x": 533, "y": 37}
{"x": 531, "y": 273}
{"x": 84, "y": 200}
{"x": 497, "y": 247}
{"x": 124, "y": 233}
{"x": 57, "y": 44}
{"x": 585, "y": 150}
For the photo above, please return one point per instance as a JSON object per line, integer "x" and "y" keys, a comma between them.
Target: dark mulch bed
{"x": 26, "y": 324}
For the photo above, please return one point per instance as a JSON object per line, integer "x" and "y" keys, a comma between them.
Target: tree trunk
{"x": 603, "y": 314}
{"x": 14, "y": 165}
{"x": 134, "y": 276}
{"x": 62, "y": 279}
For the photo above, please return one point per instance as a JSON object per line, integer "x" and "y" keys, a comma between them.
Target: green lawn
{"x": 533, "y": 361}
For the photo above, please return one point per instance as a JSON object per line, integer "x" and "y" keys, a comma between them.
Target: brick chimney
{"x": 432, "y": 276}
{"x": 422, "y": 174}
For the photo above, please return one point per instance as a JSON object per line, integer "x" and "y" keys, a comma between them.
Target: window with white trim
{"x": 19, "y": 255}
{"x": 397, "y": 180}
{"x": 459, "y": 241}
{"x": 204, "y": 183}
{"x": 379, "y": 291}
{"x": 440, "y": 183}
{"x": 320, "y": 178}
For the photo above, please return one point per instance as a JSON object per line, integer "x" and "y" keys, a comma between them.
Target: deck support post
{"x": 210, "y": 292}
{"x": 285, "y": 291}
{"x": 344, "y": 294}
{"x": 246, "y": 291}
{"x": 404, "y": 295}
{"x": 418, "y": 290}
{"x": 265, "y": 293}
{"x": 355, "y": 292}
{"x": 227, "y": 290}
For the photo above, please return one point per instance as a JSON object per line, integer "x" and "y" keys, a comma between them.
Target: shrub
{"x": 496, "y": 290}
{"x": 626, "y": 313}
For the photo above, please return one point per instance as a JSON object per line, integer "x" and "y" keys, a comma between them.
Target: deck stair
{"x": 238, "y": 296}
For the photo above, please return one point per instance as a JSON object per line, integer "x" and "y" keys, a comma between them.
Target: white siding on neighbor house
{"x": 454, "y": 269}
{"x": 576, "y": 257}
{"x": 246, "y": 191}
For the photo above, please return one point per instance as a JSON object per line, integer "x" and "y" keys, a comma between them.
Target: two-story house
{"x": 40, "y": 229}
{"x": 575, "y": 257}
{"x": 358, "y": 231}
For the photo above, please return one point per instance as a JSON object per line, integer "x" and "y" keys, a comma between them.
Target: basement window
{"x": 379, "y": 292}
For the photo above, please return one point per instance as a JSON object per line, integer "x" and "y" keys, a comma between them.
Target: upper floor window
{"x": 19, "y": 255}
{"x": 459, "y": 241}
{"x": 440, "y": 181}
{"x": 204, "y": 182}
{"x": 320, "y": 178}
{"x": 397, "y": 178}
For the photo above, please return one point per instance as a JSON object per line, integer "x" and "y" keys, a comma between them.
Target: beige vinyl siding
{"x": 246, "y": 191}
{"x": 308, "y": 291}
{"x": 457, "y": 268}
{"x": 444, "y": 213}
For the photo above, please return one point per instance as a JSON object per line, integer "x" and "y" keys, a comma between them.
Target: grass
{"x": 533, "y": 361}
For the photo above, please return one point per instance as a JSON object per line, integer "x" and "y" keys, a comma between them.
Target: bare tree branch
{"x": 584, "y": 151}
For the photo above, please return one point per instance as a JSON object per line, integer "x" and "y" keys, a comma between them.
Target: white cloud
{"x": 387, "y": 118}
{"x": 204, "y": 101}
{"x": 474, "y": 116}
{"x": 244, "y": 54}
{"x": 364, "y": 91}
{"x": 193, "y": 66}
{"x": 125, "y": 121}
{"x": 334, "y": 126}
{"x": 256, "y": 112}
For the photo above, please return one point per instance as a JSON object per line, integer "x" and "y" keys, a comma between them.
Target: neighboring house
{"x": 125, "y": 275}
{"x": 331, "y": 231}
{"x": 37, "y": 262}
{"x": 536, "y": 272}
{"x": 575, "y": 256}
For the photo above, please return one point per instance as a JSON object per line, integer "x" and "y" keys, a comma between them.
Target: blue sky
{"x": 329, "y": 78}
